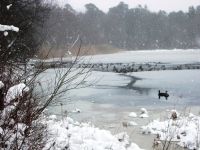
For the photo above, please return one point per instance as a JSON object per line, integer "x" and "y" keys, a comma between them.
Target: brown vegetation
{"x": 85, "y": 50}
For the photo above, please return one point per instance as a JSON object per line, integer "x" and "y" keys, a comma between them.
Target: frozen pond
{"x": 115, "y": 93}
{"x": 112, "y": 96}
{"x": 143, "y": 56}
{"x": 108, "y": 102}
{"x": 141, "y": 88}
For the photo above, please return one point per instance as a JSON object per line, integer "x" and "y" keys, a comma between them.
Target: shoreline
{"x": 111, "y": 118}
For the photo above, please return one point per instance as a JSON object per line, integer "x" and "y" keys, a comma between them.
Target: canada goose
{"x": 166, "y": 95}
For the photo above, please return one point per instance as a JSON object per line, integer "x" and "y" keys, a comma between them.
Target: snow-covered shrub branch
{"x": 18, "y": 119}
{"x": 8, "y": 28}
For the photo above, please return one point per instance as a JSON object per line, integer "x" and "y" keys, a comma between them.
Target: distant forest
{"x": 122, "y": 27}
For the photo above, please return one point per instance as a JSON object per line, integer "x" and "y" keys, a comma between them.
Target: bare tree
{"x": 22, "y": 104}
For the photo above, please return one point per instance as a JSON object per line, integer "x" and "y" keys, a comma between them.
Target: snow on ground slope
{"x": 72, "y": 135}
{"x": 185, "y": 130}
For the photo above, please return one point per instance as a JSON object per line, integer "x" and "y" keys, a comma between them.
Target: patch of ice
{"x": 129, "y": 123}
{"x": 76, "y": 110}
{"x": 133, "y": 146}
{"x": 132, "y": 114}
{"x": 143, "y": 111}
{"x": 132, "y": 123}
{"x": 53, "y": 117}
{"x": 144, "y": 116}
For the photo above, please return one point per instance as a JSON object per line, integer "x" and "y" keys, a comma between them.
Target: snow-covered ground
{"x": 118, "y": 119}
{"x": 183, "y": 129}
{"x": 69, "y": 134}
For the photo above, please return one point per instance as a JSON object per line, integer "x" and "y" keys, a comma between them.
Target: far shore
{"x": 87, "y": 50}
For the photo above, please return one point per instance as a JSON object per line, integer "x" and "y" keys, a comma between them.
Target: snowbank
{"x": 79, "y": 136}
{"x": 132, "y": 114}
{"x": 144, "y": 113}
{"x": 144, "y": 116}
{"x": 184, "y": 130}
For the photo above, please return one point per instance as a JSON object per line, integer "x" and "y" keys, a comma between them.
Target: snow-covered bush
{"x": 19, "y": 128}
{"x": 69, "y": 134}
{"x": 19, "y": 107}
{"x": 183, "y": 130}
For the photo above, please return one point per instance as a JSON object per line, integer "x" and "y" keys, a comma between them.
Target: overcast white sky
{"x": 154, "y": 5}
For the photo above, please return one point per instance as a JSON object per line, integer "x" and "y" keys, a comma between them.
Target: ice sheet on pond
{"x": 139, "y": 88}
{"x": 163, "y": 56}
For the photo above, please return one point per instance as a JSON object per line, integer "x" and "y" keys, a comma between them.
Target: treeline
{"x": 29, "y": 16}
{"x": 135, "y": 28}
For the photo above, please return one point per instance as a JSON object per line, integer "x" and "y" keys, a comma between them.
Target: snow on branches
{"x": 8, "y": 28}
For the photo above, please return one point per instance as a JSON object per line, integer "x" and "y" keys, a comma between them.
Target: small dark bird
{"x": 166, "y": 95}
